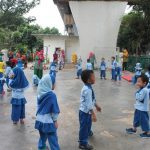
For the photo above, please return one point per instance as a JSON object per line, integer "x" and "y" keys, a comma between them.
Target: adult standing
{"x": 92, "y": 59}
{"x": 38, "y": 67}
{"x": 125, "y": 59}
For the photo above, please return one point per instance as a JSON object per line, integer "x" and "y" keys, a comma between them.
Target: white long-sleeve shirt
{"x": 142, "y": 100}
{"x": 86, "y": 101}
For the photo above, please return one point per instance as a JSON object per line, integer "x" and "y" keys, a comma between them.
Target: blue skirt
{"x": 45, "y": 127}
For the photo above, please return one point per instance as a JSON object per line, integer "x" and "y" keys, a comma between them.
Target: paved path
{"x": 116, "y": 100}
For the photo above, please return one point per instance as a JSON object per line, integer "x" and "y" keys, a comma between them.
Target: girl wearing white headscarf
{"x": 47, "y": 113}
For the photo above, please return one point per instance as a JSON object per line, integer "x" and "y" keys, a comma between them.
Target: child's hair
{"x": 88, "y": 60}
{"x": 144, "y": 78}
{"x": 148, "y": 68}
{"x": 8, "y": 63}
{"x": 86, "y": 74}
{"x": 113, "y": 57}
{"x": 103, "y": 58}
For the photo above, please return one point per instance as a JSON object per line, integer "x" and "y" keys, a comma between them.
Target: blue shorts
{"x": 141, "y": 118}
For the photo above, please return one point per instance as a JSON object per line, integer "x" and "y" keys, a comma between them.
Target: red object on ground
{"x": 127, "y": 76}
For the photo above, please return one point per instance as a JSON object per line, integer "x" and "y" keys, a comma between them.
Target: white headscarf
{"x": 45, "y": 85}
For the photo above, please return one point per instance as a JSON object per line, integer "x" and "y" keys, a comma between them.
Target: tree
{"x": 11, "y": 12}
{"x": 135, "y": 28}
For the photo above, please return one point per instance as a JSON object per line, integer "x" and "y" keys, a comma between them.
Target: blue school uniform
{"x": 20, "y": 64}
{"x": 103, "y": 69}
{"x": 18, "y": 101}
{"x": 79, "y": 69}
{"x": 2, "y": 81}
{"x": 35, "y": 80}
{"x": 113, "y": 70}
{"x": 53, "y": 67}
{"x": 87, "y": 103}
{"x": 47, "y": 114}
{"x": 141, "y": 115}
{"x": 118, "y": 72}
{"x": 89, "y": 66}
{"x": 7, "y": 73}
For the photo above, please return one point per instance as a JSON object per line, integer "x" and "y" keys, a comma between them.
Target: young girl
{"x": 18, "y": 84}
{"x": 2, "y": 80}
{"x": 113, "y": 68}
{"x": 53, "y": 68}
{"x": 47, "y": 113}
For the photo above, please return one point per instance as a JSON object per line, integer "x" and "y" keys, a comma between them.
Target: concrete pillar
{"x": 98, "y": 23}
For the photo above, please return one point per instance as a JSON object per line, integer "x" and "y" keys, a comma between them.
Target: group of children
{"x": 48, "y": 108}
{"x": 115, "y": 68}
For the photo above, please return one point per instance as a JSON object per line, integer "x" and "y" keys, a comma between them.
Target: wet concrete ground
{"x": 116, "y": 100}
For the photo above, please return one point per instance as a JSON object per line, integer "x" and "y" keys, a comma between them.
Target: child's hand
{"x": 56, "y": 124}
{"x": 98, "y": 108}
{"x": 94, "y": 119}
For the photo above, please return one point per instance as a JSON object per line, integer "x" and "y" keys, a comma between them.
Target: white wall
{"x": 72, "y": 45}
{"x": 52, "y": 43}
{"x": 98, "y": 24}
{"x": 69, "y": 44}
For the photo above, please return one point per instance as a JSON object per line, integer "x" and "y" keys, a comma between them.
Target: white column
{"x": 98, "y": 25}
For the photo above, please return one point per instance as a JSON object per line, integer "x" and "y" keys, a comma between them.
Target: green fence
{"x": 144, "y": 60}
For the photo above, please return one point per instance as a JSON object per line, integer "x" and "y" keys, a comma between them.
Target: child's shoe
{"x": 15, "y": 123}
{"x": 86, "y": 147}
{"x": 145, "y": 135}
{"x": 130, "y": 131}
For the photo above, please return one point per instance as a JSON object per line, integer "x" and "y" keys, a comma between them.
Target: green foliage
{"x": 135, "y": 28}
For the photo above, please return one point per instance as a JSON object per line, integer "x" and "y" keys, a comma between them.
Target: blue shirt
{"x": 89, "y": 66}
{"x": 103, "y": 65}
{"x": 87, "y": 102}
{"x": 142, "y": 99}
{"x": 114, "y": 64}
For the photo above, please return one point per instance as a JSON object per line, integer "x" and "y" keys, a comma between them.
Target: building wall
{"x": 50, "y": 43}
{"x": 69, "y": 44}
{"x": 72, "y": 46}
{"x": 98, "y": 25}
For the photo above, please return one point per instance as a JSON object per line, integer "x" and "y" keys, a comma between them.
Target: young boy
{"x": 138, "y": 72}
{"x": 79, "y": 69}
{"x": 86, "y": 111}
{"x": 89, "y": 65}
{"x": 103, "y": 69}
{"x": 141, "y": 115}
{"x": 113, "y": 68}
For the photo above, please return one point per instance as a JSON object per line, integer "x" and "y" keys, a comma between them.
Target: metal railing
{"x": 132, "y": 60}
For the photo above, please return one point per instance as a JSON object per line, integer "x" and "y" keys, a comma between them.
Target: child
{"x": 79, "y": 69}
{"x": 117, "y": 71}
{"x": 103, "y": 68}
{"x": 141, "y": 115}
{"x": 18, "y": 83}
{"x": 113, "y": 69}
{"x": 89, "y": 65}
{"x": 86, "y": 111}
{"x": 7, "y": 73}
{"x": 148, "y": 75}
{"x": 47, "y": 113}
{"x": 19, "y": 64}
{"x": 35, "y": 80}
{"x": 138, "y": 72}
{"x": 2, "y": 80}
{"x": 53, "y": 67}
